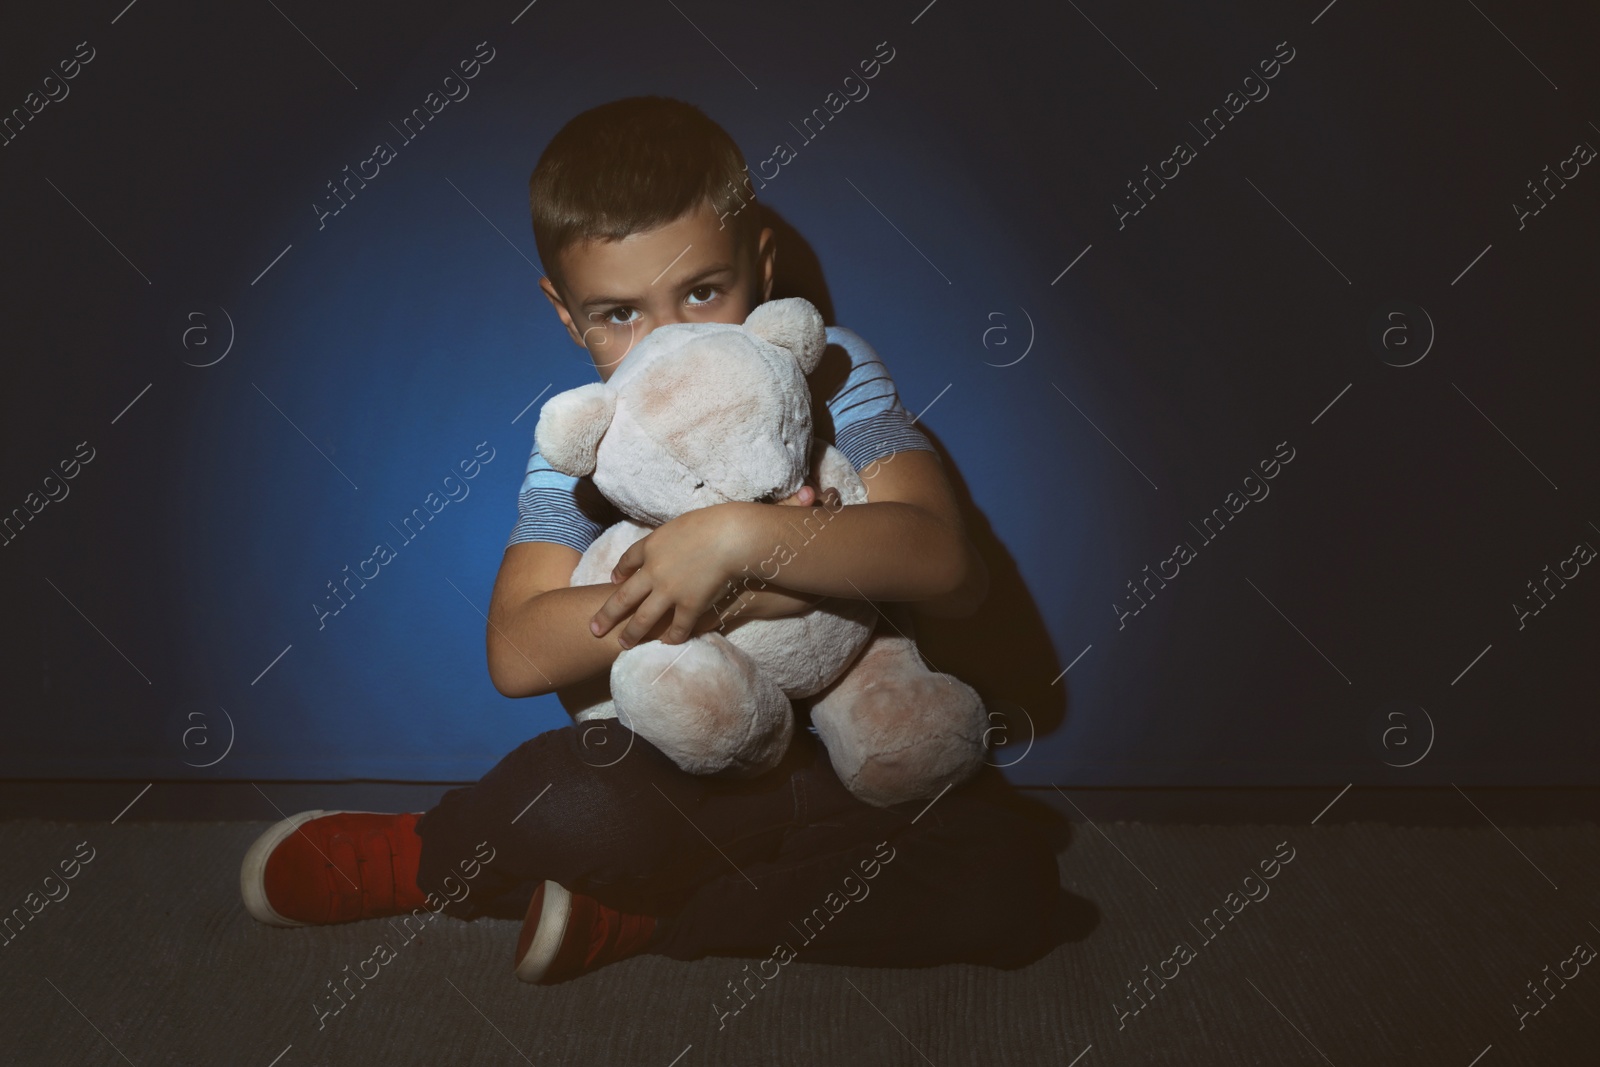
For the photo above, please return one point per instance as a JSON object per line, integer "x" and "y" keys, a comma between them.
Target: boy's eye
{"x": 627, "y": 315}
{"x": 705, "y": 294}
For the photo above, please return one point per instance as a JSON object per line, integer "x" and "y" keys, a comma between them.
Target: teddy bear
{"x": 703, "y": 413}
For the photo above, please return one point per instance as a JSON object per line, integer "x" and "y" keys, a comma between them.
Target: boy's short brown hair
{"x": 632, "y": 165}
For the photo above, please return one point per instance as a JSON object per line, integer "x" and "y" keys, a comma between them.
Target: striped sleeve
{"x": 557, "y": 507}
{"x": 869, "y": 422}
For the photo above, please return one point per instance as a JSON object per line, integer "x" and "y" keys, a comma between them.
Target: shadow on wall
{"x": 1003, "y": 650}
{"x": 796, "y": 270}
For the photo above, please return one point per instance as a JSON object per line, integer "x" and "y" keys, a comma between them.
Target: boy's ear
{"x": 791, "y": 323}
{"x": 766, "y": 256}
{"x": 560, "y": 306}
{"x": 571, "y": 425}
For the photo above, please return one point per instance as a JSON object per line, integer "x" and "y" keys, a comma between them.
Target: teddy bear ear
{"x": 791, "y": 323}
{"x": 571, "y": 425}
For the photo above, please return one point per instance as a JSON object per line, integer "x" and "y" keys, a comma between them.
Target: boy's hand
{"x": 679, "y": 571}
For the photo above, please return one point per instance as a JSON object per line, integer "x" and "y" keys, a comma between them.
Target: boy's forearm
{"x": 543, "y": 643}
{"x": 887, "y": 550}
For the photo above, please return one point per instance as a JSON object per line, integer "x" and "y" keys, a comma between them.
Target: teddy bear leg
{"x": 704, "y": 703}
{"x": 896, "y": 731}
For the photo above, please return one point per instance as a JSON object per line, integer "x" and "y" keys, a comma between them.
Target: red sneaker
{"x": 567, "y": 934}
{"x": 333, "y": 867}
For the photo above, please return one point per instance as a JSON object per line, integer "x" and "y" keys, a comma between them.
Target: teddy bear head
{"x": 696, "y": 414}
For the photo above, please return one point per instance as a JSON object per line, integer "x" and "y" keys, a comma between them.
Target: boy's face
{"x": 613, "y": 293}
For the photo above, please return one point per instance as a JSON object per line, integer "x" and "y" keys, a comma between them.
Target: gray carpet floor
{"x": 1374, "y": 944}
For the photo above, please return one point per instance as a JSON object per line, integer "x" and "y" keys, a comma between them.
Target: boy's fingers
{"x": 805, "y": 496}
{"x": 629, "y": 561}
{"x": 683, "y": 624}
{"x": 645, "y": 617}
{"x": 625, "y": 600}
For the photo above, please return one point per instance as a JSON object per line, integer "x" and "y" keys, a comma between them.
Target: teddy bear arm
{"x": 832, "y": 470}
{"x": 600, "y": 558}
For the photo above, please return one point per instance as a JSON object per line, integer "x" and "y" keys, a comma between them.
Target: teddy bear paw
{"x": 705, "y": 704}
{"x": 906, "y": 740}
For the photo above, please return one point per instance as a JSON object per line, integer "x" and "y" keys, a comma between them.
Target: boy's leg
{"x": 603, "y": 812}
{"x": 969, "y": 880}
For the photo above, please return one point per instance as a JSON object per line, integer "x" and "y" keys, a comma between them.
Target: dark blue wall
{"x": 1357, "y": 618}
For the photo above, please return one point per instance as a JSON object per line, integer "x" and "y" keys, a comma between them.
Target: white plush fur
{"x": 571, "y": 425}
{"x": 700, "y": 414}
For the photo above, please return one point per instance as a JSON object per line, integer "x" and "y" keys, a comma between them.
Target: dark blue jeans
{"x": 738, "y": 867}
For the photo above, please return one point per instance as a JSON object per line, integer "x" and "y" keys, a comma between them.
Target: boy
{"x": 598, "y": 842}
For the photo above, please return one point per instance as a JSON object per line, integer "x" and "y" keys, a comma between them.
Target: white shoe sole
{"x": 253, "y": 871}
{"x": 547, "y": 939}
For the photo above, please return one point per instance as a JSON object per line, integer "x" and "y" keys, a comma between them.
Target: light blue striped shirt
{"x": 853, "y": 403}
